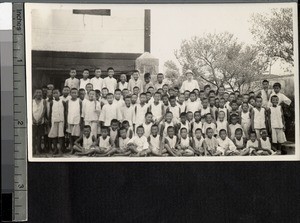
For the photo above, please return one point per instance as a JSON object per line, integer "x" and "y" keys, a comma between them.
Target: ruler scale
{"x": 20, "y": 118}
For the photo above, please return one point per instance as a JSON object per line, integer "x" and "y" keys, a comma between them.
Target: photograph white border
{"x": 30, "y": 6}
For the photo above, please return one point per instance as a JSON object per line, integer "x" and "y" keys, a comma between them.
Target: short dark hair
{"x": 110, "y": 94}
{"x": 277, "y": 84}
{"x": 118, "y": 90}
{"x": 148, "y": 113}
{"x": 74, "y": 89}
{"x": 66, "y": 87}
{"x": 183, "y": 129}
{"x": 161, "y": 74}
{"x": 265, "y": 81}
{"x": 198, "y": 129}
{"x": 182, "y": 114}
{"x": 87, "y": 127}
{"x": 222, "y": 130}
{"x": 147, "y": 75}
{"x": 114, "y": 121}
{"x": 110, "y": 68}
{"x": 238, "y": 130}
{"x": 206, "y": 86}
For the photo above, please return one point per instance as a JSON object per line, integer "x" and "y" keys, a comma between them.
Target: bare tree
{"x": 220, "y": 59}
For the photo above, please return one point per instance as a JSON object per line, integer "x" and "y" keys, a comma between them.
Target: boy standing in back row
{"x": 72, "y": 81}
{"x": 110, "y": 82}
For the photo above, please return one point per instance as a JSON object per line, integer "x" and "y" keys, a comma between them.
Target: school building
{"x": 64, "y": 39}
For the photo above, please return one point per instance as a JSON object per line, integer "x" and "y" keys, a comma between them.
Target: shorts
{"x": 74, "y": 130}
{"x": 38, "y": 130}
{"x": 56, "y": 130}
{"x": 94, "y": 127}
{"x": 278, "y": 136}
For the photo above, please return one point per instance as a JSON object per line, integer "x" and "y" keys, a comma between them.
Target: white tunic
{"x": 97, "y": 83}
{"x": 265, "y": 144}
{"x": 172, "y": 141}
{"x": 175, "y": 111}
{"x": 259, "y": 118}
{"x": 113, "y": 134}
{"x": 185, "y": 142}
{"x": 110, "y": 83}
{"x": 252, "y": 144}
{"x": 205, "y": 111}
{"x": 147, "y": 129}
{"x": 91, "y": 110}
{"x": 198, "y": 143}
{"x": 109, "y": 112}
{"x": 83, "y": 83}
{"x": 226, "y": 144}
{"x": 193, "y": 106}
{"x": 139, "y": 113}
{"x": 221, "y": 125}
{"x": 72, "y": 83}
{"x": 189, "y": 85}
{"x": 123, "y": 142}
{"x": 128, "y": 114}
{"x": 122, "y": 86}
{"x": 74, "y": 112}
{"x": 104, "y": 143}
{"x": 140, "y": 142}
{"x": 265, "y": 95}
{"x": 156, "y": 110}
{"x": 57, "y": 111}
{"x": 182, "y": 107}
{"x": 37, "y": 110}
{"x": 239, "y": 142}
{"x": 155, "y": 142}
{"x": 87, "y": 142}
{"x": 276, "y": 119}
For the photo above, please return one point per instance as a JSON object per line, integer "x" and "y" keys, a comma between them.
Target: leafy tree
{"x": 274, "y": 33}
{"x": 171, "y": 70}
{"x": 220, "y": 59}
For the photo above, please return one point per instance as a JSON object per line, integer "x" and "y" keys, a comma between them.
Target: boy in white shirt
{"x": 85, "y": 78}
{"x": 118, "y": 98}
{"x": 148, "y": 83}
{"x": 90, "y": 112}
{"x": 135, "y": 81}
{"x": 157, "y": 108}
{"x": 193, "y": 105}
{"x": 39, "y": 108}
{"x": 281, "y": 97}
{"x": 123, "y": 84}
{"x": 128, "y": 111}
{"x": 138, "y": 144}
{"x": 160, "y": 82}
{"x": 72, "y": 81}
{"x": 57, "y": 120}
{"x": 140, "y": 110}
{"x": 65, "y": 94}
{"x": 97, "y": 81}
{"x": 110, "y": 82}
{"x": 74, "y": 111}
{"x": 226, "y": 146}
{"x": 109, "y": 111}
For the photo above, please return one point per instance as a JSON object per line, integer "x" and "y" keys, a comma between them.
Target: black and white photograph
{"x": 172, "y": 82}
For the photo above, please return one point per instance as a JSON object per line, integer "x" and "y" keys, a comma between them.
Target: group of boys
{"x": 103, "y": 117}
